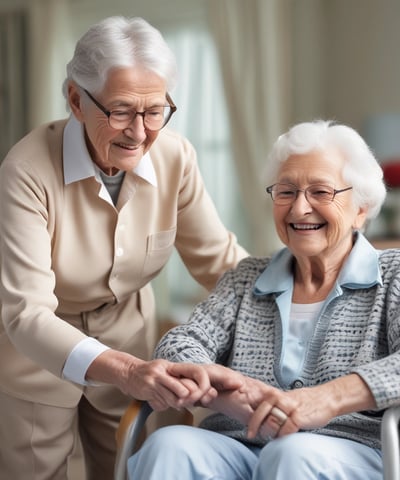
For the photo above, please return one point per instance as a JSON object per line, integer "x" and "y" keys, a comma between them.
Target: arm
{"x": 208, "y": 335}
{"x": 27, "y": 279}
{"x": 206, "y": 247}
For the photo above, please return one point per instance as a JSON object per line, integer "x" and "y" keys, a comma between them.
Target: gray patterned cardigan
{"x": 239, "y": 325}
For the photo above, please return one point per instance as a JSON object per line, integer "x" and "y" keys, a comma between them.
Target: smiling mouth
{"x": 307, "y": 226}
{"x": 126, "y": 146}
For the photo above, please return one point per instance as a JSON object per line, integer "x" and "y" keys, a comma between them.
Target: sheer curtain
{"x": 13, "y": 74}
{"x": 50, "y": 47}
{"x": 203, "y": 118}
{"x": 253, "y": 41}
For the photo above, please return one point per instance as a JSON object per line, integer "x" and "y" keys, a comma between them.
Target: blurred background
{"x": 249, "y": 69}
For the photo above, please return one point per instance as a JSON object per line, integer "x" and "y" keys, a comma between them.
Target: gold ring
{"x": 279, "y": 415}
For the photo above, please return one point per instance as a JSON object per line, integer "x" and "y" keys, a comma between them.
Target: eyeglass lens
{"x": 284, "y": 194}
{"x": 153, "y": 119}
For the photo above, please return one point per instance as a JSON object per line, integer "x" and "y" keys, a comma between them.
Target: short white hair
{"x": 119, "y": 42}
{"x": 361, "y": 169}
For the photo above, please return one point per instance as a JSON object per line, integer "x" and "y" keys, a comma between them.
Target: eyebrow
{"x": 124, "y": 104}
{"x": 313, "y": 181}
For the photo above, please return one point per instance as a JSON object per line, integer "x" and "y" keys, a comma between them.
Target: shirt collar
{"x": 360, "y": 270}
{"x": 78, "y": 164}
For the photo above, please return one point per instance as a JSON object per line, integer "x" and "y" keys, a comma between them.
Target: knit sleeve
{"x": 208, "y": 335}
{"x": 383, "y": 375}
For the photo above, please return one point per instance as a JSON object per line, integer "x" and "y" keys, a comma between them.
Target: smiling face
{"x": 317, "y": 230}
{"x": 113, "y": 150}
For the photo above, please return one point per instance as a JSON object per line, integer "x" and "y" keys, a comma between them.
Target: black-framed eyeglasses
{"x": 286, "y": 193}
{"x": 155, "y": 118}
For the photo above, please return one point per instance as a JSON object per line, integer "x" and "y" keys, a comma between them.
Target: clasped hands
{"x": 267, "y": 411}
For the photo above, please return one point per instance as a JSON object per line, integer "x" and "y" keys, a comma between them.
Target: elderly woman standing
{"x": 315, "y": 331}
{"x": 90, "y": 210}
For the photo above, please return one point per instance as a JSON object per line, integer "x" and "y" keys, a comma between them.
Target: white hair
{"x": 361, "y": 169}
{"x": 119, "y": 42}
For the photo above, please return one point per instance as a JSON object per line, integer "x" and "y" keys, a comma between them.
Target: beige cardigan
{"x": 62, "y": 273}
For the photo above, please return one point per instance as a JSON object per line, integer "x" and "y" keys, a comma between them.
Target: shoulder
{"x": 39, "y": 146}
{"x": 389, "y": 253}
{"x": 172, "y": 144}
{"x": 39, "y": 139}
{"x": 253, "y": 265}
{"x": 37, "y": 157}
{"x": 247, "y": 271}
{"x": 389, "y": 260}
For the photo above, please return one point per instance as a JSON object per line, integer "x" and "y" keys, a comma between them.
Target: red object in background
{"x": 391, "y": 172}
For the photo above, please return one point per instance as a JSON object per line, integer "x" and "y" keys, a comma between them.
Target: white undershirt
{"x": 302, "y": 320}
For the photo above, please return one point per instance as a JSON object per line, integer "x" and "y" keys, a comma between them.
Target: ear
{"x": 75, "y": 101}
{"x": 360, "y": 218}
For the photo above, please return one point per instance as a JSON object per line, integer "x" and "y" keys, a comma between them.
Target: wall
{"x": 346, "y": 63}
{"x": 345, "y": 52}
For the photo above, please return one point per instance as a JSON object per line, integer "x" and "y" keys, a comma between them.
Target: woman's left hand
{"x": 284, "y": 412}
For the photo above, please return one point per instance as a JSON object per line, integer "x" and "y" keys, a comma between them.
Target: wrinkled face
{"x": 111, "y": 149}
{"x": 317, "y": 230}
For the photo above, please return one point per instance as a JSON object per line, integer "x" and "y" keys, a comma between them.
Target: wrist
{"x": 113, "y": 367}
{"x": 349, "y": 394}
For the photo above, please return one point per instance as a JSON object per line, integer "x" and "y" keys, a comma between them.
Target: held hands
{"x": 165, "y": 384}
{"x": 266, "y": 410}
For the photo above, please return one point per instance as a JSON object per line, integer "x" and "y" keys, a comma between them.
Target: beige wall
{"x": 347, "y": 62}
{"x": 344, "y": 62}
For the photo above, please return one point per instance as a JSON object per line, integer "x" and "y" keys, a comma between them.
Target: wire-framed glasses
{"x": 155, "y": 118}
{"x": 286, "y": 193}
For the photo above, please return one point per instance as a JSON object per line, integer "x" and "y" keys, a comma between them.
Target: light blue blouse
{"x": 361, "y": 270}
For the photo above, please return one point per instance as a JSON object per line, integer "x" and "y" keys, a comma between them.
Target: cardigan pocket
{"x": 159, "y": 248}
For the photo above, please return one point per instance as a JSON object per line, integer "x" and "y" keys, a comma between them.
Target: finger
{"x": 208, "y": 397}
{"x": 195, "y": 372}
{"x": 258, "y": 418}
{"x": 171, "y": 385}
{"x": 196, "y": 394}
{"x": 288, "y": 427}
{"x": 278, "y": 415}
{"x": 223, "y": 378}
{"x": 200, "y": 400}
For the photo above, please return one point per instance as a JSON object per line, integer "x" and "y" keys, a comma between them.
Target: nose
{"x": 136, "y": 128}
{"x": 301, "y": 203}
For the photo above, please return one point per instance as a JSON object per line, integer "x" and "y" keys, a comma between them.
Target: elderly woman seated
{"x": 313, "y": 332}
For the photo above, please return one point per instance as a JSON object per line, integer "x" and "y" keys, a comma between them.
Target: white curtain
{"x": 202, "y": 117}
{"x": 50, "y": 48}
{"x": 13, "y": 73}
{"x": 252, "y": 39}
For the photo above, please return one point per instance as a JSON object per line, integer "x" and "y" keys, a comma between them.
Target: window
{"x": 202, "y": 118}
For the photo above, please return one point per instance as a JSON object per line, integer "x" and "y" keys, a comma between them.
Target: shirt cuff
{"x": 81, "y": 356}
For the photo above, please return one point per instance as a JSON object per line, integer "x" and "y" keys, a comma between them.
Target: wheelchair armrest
{"x": 128, "y": 433}
{"x": 391, "y": 444}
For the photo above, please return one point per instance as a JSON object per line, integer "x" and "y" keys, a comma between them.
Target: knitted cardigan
{"x": 358, "y": 331}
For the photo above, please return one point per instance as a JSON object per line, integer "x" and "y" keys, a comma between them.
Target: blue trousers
{"x": 189, "y": 453}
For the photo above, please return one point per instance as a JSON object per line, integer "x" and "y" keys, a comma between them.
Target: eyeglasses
{"x": 155, "y": 118}
{"x": 286, "y": 193}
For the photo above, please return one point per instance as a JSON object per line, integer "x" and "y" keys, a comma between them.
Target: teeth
{"x": 303, "y": 226}
{"x": 123, "y": 145}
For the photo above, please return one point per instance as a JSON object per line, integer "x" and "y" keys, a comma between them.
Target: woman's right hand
{"x": 162, "y": 383}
